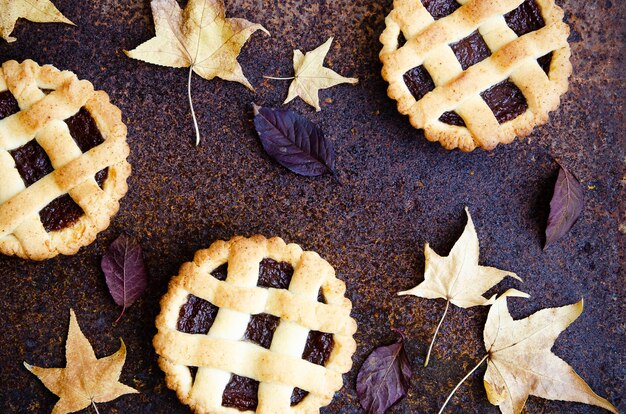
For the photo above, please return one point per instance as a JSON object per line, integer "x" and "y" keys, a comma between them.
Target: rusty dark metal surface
{"x": 396, "y": 191}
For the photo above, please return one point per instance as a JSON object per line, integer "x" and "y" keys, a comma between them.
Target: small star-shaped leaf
{"x": 311, "y": 75}
{"x": 85, "y": 380}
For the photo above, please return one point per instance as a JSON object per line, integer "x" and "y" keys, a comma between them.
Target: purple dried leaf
{"x": 125, "y": 271}
{"x": 566, "y": 206}
{"x": 384, "y": 377}
{"x": 294, "y": 141}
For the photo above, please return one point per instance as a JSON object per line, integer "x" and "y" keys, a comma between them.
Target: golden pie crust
{"x": 223, "y": 351}
{"x": 47, "y": 97}
{"x": 514, "y": 58}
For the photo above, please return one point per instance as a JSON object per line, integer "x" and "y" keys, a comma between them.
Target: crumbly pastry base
{"x": 221, "y": 352}
{"x": 459, "y": 90}
{"x": 41, "y": 118}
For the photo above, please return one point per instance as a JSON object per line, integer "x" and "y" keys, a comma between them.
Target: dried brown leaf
{"x": 311, "y": 75}
{"x": 521, "y": 362}
{"x": 458, "y": 278}
{"x": 85, "y": 380}
{"x": 201, "y": 38}
{"x": 566, "y": 206}
{"x": 39, "y": 11}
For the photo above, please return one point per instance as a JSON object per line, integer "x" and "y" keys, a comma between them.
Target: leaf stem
{"x": 193, "y": 113}
{"x": 94, "y": 407}
{"x": 121, "y": 314}
{"x": 432, "y": 343}
{"x": 461, "y": 382}
{"x": 275, "y": 78}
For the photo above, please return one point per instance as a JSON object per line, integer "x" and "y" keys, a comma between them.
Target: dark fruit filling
{"x": 525, "y": 19}
{"x": 241, "y": 393}
{"x": 320, "y": 297}
{"x": 471, "y": 50}
{"x": 197, "y": 315}
{"x": 33, "y": 164}
{"x": 317, "y": 351}
{"x": 545, "y": 61}
{"x": 505, "y": 99}
{"x": 273, "y": 274}
{"x": 452, "y": 118}
{"x": 85, "y": 132}
{"x": 221, "y": 272}
{"x": 8, "y": 104}
{"x": 193, "y": 371}
{"x": 62, "y": 212}
{"x": 401, "y": 40}
{"x": 261, "y": 329}
{"x": 419, "y": 82}
{"x": 440, "y": 8}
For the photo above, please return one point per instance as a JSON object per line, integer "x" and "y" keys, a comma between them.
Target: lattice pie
{"x": 476, "y": 73}
{"x": 255, "y": 325}
{"x": 63, "y": 162}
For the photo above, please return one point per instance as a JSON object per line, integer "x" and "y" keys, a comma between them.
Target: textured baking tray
{"x": 396, "y": 191}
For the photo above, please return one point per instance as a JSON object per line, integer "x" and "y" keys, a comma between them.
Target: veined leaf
{"x": 125, "y": 271}
{"x": 384, "y": 377}
{"x": 294, "y": 141}
{"x": 566, "y": 206}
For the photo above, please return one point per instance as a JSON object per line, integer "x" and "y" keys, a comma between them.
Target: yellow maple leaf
{"x": 520, "y": 362}
{"x": 199, "y": 37}
{"x": 311, "y": 76}
{"x": 85, "y": 380}
{"x": 458, "y": 278}
{"x": 39, "y": 11}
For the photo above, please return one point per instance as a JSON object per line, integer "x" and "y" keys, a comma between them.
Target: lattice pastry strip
{"x": 460, "y": 92}
{"x": 47, "y": 99}
{"x": 224, "y": 352}
{"x": 479, "y": 78}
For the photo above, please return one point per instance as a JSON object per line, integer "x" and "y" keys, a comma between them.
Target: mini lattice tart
{"x": 476, "y": 73}
{"x": 63, "y": 162}
{"x": 255, "y": 325}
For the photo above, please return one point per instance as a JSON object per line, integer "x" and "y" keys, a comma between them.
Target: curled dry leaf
{"x": 85, "y": 380}
{"x": 200, "y": 38}
{"x": 125, "y": 271}
{"x": 311, "y": 76}
{"x": 40, "y": 11}
{"x": 520, "y": 361}
{"x": 294, "y": 141}
{"x": 458, "y": 278}
{"x": 566, "y": 206}
{"x": 384, "y": 378}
